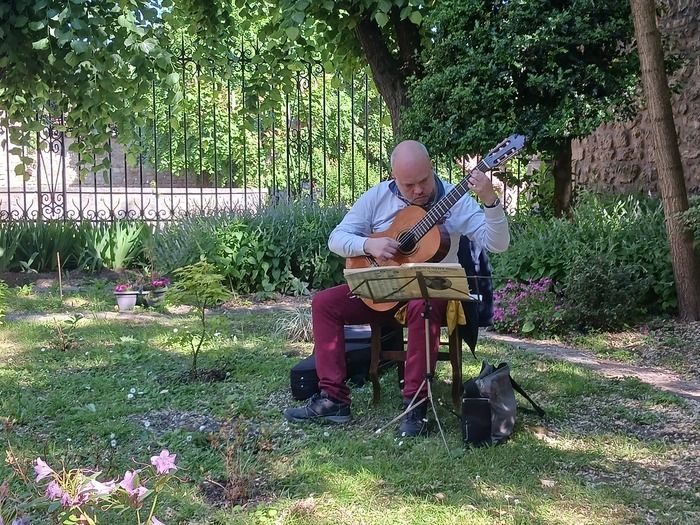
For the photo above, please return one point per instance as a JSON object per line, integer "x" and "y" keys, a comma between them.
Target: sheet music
{"x": 399, "y": 283}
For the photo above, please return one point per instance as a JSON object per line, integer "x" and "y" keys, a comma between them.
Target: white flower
{"x": 130, "y": 396}
{"x": 174, "y": 330}
{"x": 113, "y": 443}
{"x": 189, "y": 438}
{"x": 146, "y": 424}
{"x": 132, "y": 390}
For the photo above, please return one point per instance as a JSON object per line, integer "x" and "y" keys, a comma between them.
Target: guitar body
{"x": 431, "y": 247}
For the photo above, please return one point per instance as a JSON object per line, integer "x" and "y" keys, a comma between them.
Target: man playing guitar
{"x": 379, "y": 230}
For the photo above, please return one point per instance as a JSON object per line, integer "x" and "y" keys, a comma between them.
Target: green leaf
{"x": 381, "y": 19}
{"x": 37, "y": 25}
{"x": 41, "y": 44}
{"x": 148, "y": 45}
{"x": 292, "y": 33}
{"x": 172, "y": 79}
{"x": 79, "y": 46}
{"x": 528, "y": 326}
{"x": 416, "y": 17}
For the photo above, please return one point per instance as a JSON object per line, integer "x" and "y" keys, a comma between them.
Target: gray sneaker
{"x": 320, "y": 408}
{"x": 415, "y": 422}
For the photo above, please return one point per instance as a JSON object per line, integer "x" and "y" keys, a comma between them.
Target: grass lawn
{"x": 609, "y": 451}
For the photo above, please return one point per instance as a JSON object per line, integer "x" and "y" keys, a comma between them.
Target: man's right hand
{"x": 381, "y": 248}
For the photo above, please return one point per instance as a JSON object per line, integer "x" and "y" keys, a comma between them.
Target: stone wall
{"x": 619, "y": 157}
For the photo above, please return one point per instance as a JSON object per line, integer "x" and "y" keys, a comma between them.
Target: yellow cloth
{"x": 455, "y": 315}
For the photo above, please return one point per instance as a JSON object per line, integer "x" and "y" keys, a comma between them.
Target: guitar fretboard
{"x": 438, "y": 211}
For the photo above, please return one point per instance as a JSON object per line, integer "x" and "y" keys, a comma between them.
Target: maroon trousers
{"x": 336, "y": 307}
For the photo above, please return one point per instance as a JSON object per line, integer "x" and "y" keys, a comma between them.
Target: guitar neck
{"x": 438, "y": 211}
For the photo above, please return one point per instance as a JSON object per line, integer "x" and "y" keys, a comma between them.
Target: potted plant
{"x": 126, "y": 295}
{"x": 155, "y": 290}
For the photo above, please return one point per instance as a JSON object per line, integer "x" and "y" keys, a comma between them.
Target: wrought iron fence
{"x": 326, "y": 138}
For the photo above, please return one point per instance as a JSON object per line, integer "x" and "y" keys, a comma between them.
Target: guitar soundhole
{"x": 407, "y": 243}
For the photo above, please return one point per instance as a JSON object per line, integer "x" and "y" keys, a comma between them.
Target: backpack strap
{"x": 522, "y": 392}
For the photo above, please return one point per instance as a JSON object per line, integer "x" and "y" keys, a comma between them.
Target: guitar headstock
{"x": 504, "y": 151}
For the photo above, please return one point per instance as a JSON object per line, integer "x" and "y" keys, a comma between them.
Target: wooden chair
{"x": 379, "y": 355}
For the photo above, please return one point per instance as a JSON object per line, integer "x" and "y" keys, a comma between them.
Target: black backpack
{"x": 489, "y": 406}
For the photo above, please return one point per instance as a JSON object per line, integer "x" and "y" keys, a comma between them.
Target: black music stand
{"x": 413, "y": 281}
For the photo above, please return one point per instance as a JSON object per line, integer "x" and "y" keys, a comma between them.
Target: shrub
{"x": 628, "y": 230}
{"x": 600, "y": 294}
{"x": 530, "y": 307}
{"x": 280, "y": 248}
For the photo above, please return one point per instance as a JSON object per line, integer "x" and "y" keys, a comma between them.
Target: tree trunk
{"x": 561, "y": 169}
{"x": 389, "y": 74}
{"x": 668, "y": 158}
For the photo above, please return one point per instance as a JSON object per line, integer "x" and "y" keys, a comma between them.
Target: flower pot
{"x": 126, "y": 300}
{"x": 156, "y": 296}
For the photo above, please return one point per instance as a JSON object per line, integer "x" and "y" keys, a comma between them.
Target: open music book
{"x": 400, "y": 283}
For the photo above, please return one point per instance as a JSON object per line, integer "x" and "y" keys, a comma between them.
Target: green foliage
{"x": 65, "y": 336}
{"x": 10, "y": 236}
{"x": 627, "y": 232}
{"x": 84, "y": 60}
{"x": 550, "y": 70}
{"x": 187, "y": 240}
{"x": 691, "y": 219}
{"x": 116, "y": 245}
{"x": 200, "y": 286}
{"x": 39, "y": 242}
{"x": 280, "y": 248}
{"x": 602, "y": 294}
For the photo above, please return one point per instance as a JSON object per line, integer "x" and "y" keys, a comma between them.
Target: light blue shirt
{"x": 375, "y": 210}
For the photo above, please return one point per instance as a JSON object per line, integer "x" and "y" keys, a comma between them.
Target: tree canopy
{"x": 551, "y": 70}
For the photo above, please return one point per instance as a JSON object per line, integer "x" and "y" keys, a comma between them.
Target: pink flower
{"x": 154, "y": 521}
{"x": 42, "y": 469}
{"x": 53, "y": 491}
{"x": 165, "y": 462}
{"x": 122, "y": 287}
{"x": 132, "y": 486}
{"x": 99, "y": 487}
{"x": 160, "y": 282}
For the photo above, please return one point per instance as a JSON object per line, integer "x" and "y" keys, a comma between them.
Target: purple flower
{"x": 164, "y": 462}
{"x": 154, "y": 521}
{"x": 123, "y": 287}
{"x": 53, "y": 491}
{"x": 42, "y": 469}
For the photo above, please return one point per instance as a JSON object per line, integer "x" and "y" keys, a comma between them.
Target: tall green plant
{"x": 41, "y": 241}
{"x": 10, "y": 236}
{"x": 117, "y": 245}
{"x": 202, "y": 287}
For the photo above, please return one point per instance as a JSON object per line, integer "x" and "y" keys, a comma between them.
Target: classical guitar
{"x": 421, "y": 237}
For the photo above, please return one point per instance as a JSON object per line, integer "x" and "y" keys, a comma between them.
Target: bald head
{"x": 412, "y": 170}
